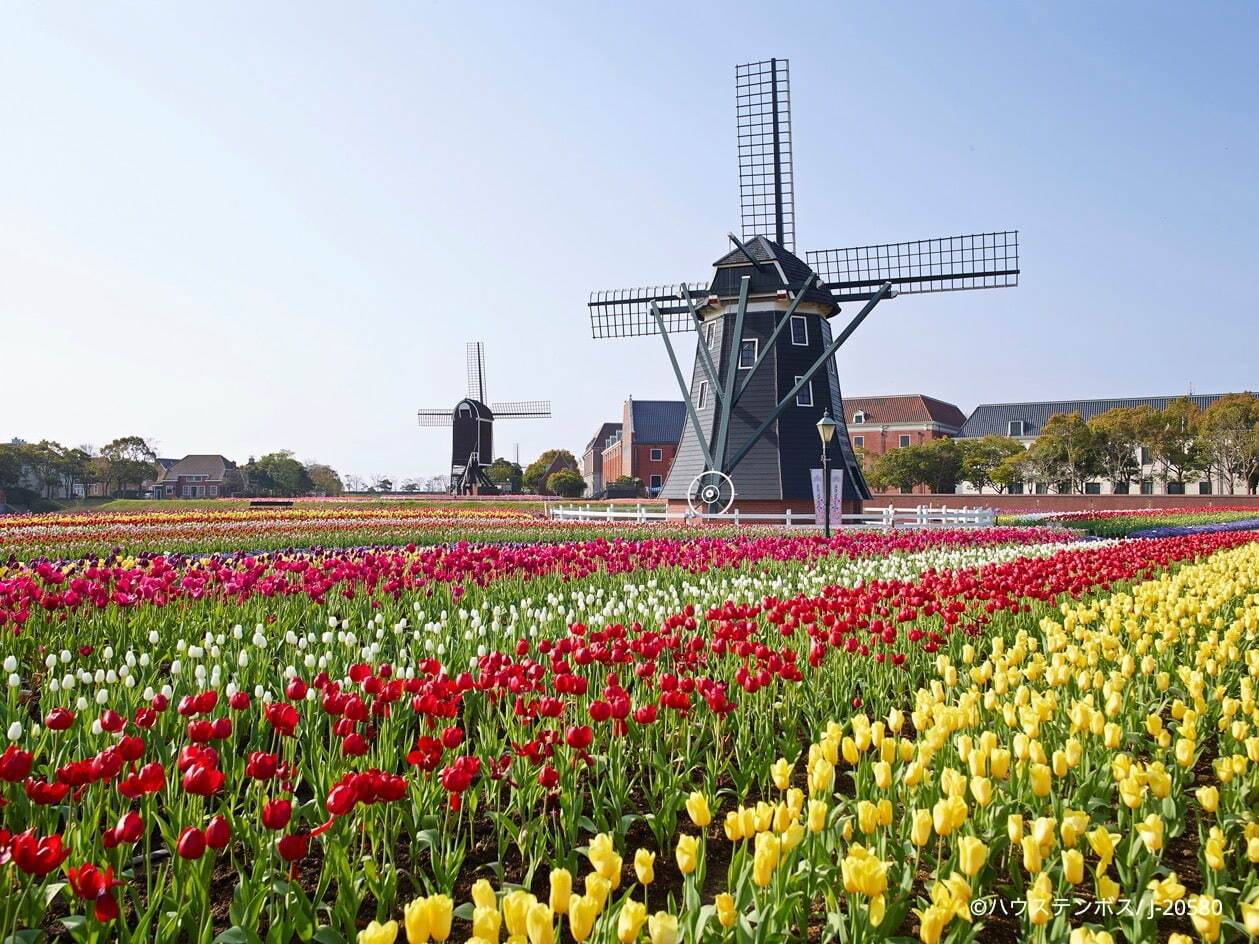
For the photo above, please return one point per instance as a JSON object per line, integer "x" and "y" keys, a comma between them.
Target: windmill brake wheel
{"x": 708, "y": 490}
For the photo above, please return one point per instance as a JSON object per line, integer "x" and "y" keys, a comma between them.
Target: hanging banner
{"x": 837, "y": 494}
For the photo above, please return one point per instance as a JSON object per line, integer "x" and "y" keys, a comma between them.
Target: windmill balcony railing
{"x": 889, "y": 518}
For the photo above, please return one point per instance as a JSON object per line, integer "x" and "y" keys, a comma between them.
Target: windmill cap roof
{"x": 785, "y": 270}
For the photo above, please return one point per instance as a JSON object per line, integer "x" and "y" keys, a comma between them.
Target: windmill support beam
{"x": 705, "y": 356}
{"x": 732, "y": 370}
{"x": 682, "y": 385}
{"x": 769, "y": 345}
{"x": 821, "y": 362}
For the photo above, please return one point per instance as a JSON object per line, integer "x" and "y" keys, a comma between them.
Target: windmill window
{"x": 799, "y": 330}
{"x": 747, "y": 353}
{"x": 710, "y": 331}
{"x": 805, "y": 396}
{"x": 1016, "y": 428}
{"x": 859, "y": 417}
{"x": 702, "y": 399}
{"x": 656, "y": 455}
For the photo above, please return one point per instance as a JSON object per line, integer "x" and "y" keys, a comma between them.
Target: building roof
{"x": 995, "y": 418}
{"x": 166, "y": 463}
{"x": 730, "y": 269}
{"x": 905, "y": 408}
{"x": 657, "y": 422}
{"x": 211, "y": 465}
{"x": 600, "y": 439}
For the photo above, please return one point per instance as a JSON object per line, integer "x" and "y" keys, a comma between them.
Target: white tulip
{"x": 15, "y": 731}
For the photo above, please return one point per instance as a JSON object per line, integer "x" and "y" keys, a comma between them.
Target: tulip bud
{"x": 191, "y": 844}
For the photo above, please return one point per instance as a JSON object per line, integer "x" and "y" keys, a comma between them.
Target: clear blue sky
{"x": 240, "y": 227}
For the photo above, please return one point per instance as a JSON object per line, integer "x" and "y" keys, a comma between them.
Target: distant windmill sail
{"x": 472, "y": 439}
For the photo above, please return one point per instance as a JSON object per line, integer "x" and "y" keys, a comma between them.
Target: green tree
{"x": 1229, "y": 428}
{"x": 1173, "y": 437}
{"x": 567, "y": 483}
{"x": 936, "y": 464}
{"x": 1011, "y": 471}
{"x": 508, "y": 476}
{"x": 1065, "y": 453}
{"x": 324, "y": 478}
{"x": 534, "y": 478}
{"x": 129, "y": 460}
{"x": 278, "y": 474}
{"x": 980, "y": 457}
{"x": 1117, "y": 435}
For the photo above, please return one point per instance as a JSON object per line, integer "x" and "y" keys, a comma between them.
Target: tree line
{"x": 1181, "y": 443}
{"x": 123, "y": 466}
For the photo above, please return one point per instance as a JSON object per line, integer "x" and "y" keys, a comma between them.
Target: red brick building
{"x": 205, "y": 476}
{"x": 879, "y": 424}
{"x": 643, "y": 446}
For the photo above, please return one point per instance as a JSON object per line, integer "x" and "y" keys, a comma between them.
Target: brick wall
{"x": 645, "y": 467}
{"x": 1064, "y": 502}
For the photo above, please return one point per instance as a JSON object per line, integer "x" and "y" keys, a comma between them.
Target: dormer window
{"x": 859, "y": 417}
{"x": 1016, "y": 428}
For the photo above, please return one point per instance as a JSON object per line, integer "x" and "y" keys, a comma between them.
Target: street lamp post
{"x": 826, "y": 429}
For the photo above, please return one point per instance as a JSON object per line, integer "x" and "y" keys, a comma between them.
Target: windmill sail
{"x": 476, "y": 371}
{"x": 950, "y": 264}
{"x": 766, "y": 183}
{"x": 521, "y": 409}
{"x": 626, "y": 312}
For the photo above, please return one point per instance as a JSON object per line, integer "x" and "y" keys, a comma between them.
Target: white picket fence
{"x": 921, "y": 516}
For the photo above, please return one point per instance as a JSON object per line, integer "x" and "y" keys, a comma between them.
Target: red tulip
{"x": 15, "y": 765}
{"x": 44, "y": 793}
{"x": 59, "y": 719}
{"x": 91, "y": 884}
{"x": 293, "y": 847}
{"x": 192, "y": 843}
{"x": 276, "y": 814}
{"x": 218, "y": 833}
{"x": 37, "y": 855}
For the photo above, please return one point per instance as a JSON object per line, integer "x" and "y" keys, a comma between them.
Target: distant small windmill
{"x": 472, "y": 419}
{"x": 765, "y": 361}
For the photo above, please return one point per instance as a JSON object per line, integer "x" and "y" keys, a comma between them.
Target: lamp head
{"x": 826, "y": 427}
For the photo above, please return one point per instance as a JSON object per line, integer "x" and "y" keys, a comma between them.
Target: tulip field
{"x": 348, "y": 726}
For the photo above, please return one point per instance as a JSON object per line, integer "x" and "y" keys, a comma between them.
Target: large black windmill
{"x": 472, "y": 420}
{"x": 764, "y": 367}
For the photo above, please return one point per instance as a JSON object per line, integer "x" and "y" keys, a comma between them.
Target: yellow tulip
{"x": 1032, "y": 859}
{"x": 645, "y": 866}
{"x": 485, "y": 923}
{"x": 1215, "y": 849}
{"x": 441, "y": 910}
{"x": 971, "y": 854}
{"x": 882, "y": 774}
{"x": 1250, "y": 918}
{"x": 981, "y": 790}
{"x": 1185, "y": 751}
{"x": 866, "y": 816}
{"x": 863, "y": 872}
{"x": 561, "y": 890}
{"x": 377, "y": 933}
{"x": 1205, "y": 913}
{"x": 1014, "y": 827}
{"x": 821, "y": 777}
{"x": 1106, "y": 888}
{"x": 687, "y": 854}
{"x": 516, "y": 905}
{"x": 726, "y": 913}
{"x": 540, "y": 922}
{"x": 1073, "y": 866}
{"x": 415, "y": 918}
{"x": 948, "y": 814}
{"x": 920, "y": 827}
{"x": 1167, "y": 890}
{"x": 1103, "y": 843}
{"x": 662, "y": 928}
{"x": 1040, "y": 898}
{"x": 1039, "y": 776}
{"x": 765, "y": 858}
{"x": 1131, "y": 792}
{"x": 780, "y": 771}
{"x": 697, "y": 809}
{"x": 1150, "y": 830}
{"x": 633, "y": 914}
{"x": 818, "y": 811}
{"x": 483, "y": 894}
{"x": 734, "y": 826}
{"x": 598, "y": 888}
{"x": 931, "y": 923}
{"x": 1074, "y": 823}
{"x": 583, "y": 910}
{"x": 1208, "y": 798}
{"x": 999, "y": 763}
